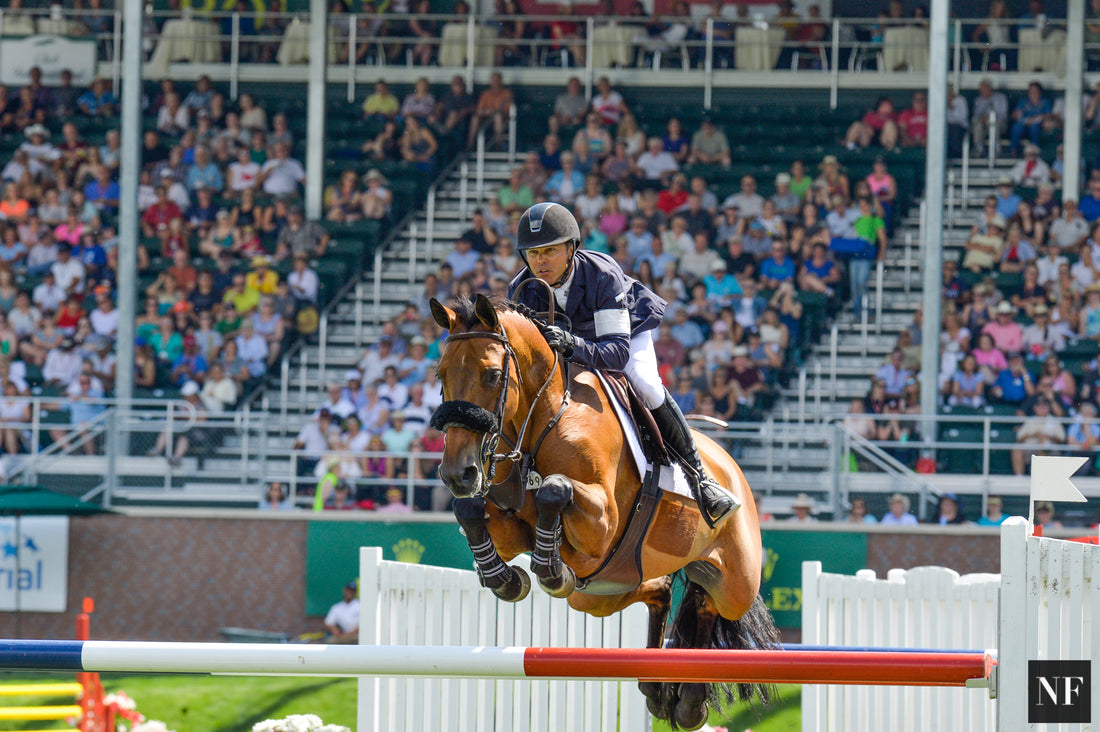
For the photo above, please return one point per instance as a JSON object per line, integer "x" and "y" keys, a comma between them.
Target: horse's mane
{"x": 464, "y": 309}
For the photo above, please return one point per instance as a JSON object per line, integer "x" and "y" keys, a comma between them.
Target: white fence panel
{"x": 1049, "y": 600}
{"x": 926, "y": 607}
{"x": 412, "y": 604}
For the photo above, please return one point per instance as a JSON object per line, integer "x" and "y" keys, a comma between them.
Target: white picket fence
{"x": 412, "y": 604}
{"x": 1050, "y": 593}
{"x": 926, "y": 607}
{"x": 1040, "y": 607}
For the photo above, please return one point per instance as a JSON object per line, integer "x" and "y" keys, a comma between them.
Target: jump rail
{"x": 880, "y": 668}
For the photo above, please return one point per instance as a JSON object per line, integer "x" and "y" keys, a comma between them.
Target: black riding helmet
{"x": 547, "y": 224}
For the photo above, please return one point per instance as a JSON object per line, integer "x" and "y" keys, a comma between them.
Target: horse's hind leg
{"x": 551, "y": 498}
{"x": 685, "y": 704}
{"x": 692, "y": 709}
{"x": 510, "y": 584}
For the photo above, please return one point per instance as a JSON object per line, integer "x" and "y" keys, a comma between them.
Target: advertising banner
{"x": 52, "y": 54}
{"x": 332, "y": 552}
{"x": 34, "y": 563}
{"x": 784, "y": 552}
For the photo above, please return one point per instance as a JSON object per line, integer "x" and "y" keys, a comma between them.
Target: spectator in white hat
{"x": 802, "y": 509}
{"x": 1032, "y": 171}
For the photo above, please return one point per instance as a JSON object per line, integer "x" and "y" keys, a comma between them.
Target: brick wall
{"x": 965, "y": 553}
{"x": 179, "y": 579}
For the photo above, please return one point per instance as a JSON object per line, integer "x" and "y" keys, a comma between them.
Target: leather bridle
{"x": 491, "y": 424}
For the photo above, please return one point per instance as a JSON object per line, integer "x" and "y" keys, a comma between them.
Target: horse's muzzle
{"x": 464, "y": 479}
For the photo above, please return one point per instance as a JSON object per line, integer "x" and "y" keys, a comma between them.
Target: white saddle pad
{"x": 671, "y": 478}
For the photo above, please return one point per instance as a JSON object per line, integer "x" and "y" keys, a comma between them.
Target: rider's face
{"x": 549, "y": 263}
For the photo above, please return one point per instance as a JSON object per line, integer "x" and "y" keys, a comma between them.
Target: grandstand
{"x": 783, "y": 91}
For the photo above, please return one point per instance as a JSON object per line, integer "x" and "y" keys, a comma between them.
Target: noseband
{"x": 490, "y": 424}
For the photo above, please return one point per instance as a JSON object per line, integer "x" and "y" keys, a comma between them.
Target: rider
{"x": 613, "y": 317}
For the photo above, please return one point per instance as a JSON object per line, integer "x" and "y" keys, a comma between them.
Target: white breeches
{"x": 641, "y": 370}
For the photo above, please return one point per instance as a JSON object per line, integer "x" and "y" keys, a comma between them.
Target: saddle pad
{"x": 671, "y": 478}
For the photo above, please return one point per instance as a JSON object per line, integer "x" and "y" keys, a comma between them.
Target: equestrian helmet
{"x": 546, "y": 224}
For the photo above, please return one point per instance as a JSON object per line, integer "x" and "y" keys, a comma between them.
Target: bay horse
{"x": 570, "y": 492}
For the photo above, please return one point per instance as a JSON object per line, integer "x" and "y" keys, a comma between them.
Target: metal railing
{"x": 973, "y": 455}
{"x": 50, "y": 433}
{"x": 156, "y": 447}
{"x": 229, "y": 45}
{"x": 228, "y": 458}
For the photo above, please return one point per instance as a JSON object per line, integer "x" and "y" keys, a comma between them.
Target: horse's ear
{"x": 442, "y": 314}
{"x": 486, "y": 313}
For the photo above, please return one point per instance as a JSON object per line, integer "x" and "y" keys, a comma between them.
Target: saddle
{"x": 653, "y": 444}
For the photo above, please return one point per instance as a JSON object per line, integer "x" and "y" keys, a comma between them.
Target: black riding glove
{"x": 560, "y": 340}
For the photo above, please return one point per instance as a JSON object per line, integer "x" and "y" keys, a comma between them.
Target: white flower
{"x": 120, "y": 700}
{"x": 152, "y": 725}
{"x": 296, "y": 723}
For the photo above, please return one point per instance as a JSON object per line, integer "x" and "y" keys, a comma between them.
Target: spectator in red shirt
{"x": 175, "y": 238}
{"x": 879, "y": 125}
{"x": 69, "y": 314}
{"x": 154, "y": 222}
{"x": 913, "y": 122}
{"x": 676, "y": 195}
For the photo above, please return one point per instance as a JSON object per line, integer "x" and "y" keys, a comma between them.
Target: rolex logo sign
{"x": 408, "y": 550}
{"x": 770, "y": 559}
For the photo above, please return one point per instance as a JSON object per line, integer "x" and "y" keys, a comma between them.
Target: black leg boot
{"x": 714, "y": 503}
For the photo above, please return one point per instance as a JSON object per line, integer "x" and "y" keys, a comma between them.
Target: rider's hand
{"x": 560, "y": 340}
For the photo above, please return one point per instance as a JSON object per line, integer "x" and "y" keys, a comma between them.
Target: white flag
{"x": 1050, "y": 478}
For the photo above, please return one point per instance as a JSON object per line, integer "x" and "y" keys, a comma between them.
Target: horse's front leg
{"x": 551, "y": 499}
{"x": 510, "y": 584}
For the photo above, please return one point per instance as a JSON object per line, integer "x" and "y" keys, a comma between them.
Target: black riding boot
{"x": 714, "y": 503}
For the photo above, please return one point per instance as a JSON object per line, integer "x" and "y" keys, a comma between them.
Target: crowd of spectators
{"x": 220, "y": 220}
{"x": 736, "y": 272}
{"x": 1024, "y": 289}
{"x": 950, "y": 510}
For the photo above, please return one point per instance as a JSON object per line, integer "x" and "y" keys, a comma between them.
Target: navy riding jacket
{"x": 605, "y": 305}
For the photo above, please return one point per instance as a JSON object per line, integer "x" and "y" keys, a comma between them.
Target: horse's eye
{"x": 492, "y": 377}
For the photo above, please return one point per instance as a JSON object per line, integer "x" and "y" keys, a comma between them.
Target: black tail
{"x": 755, "y": 630}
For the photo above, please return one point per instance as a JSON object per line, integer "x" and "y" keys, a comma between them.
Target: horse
{"x": 570, "y": 492}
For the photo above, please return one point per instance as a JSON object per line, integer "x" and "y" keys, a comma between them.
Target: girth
{"x": 621, "y": 572}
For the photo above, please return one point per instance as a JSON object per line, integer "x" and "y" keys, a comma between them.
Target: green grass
{"x": 784, "y": 715}
{"x": 200, "y": 703}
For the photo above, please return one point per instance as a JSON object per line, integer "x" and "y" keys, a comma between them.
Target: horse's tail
{"x": 754, "y": 630}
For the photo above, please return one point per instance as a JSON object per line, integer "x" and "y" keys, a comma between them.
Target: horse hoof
{"x": 563, "y": 586}
{"x": 688, "y": 715}
{"x": 516, "y": 588}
